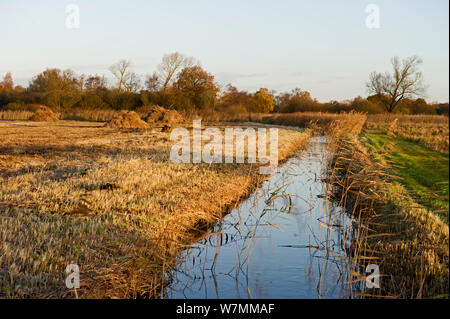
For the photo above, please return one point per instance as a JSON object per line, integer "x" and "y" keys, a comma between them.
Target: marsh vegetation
{"x": 86, "y": 178}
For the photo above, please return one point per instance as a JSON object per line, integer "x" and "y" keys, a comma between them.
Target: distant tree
{"x": 7, "y": 83}
{"x": 91, "y": 88}
{"x": 54, "y": 79}
{"x": 95, "y": 83}
{"x": 363, "y": 105}
{"x": 121, "y": 100}
{"x": 171, "y": 64}
{"x": 121, "y": 72}
{"x": 420, "y": 106}
{"x": 296, "y": 101}
{"x": 133, "y": 83}
{"x": 405, "y": 82}
{"x": 152, "y": 82}
{"x": 233, "y": 97}
{"x": 379, "y": 99}
{"x": 19, "y": 89}
{"x": 197, "y": 87}
{"x": 262, "y": 102}
{"x": 339, "y": 106}
{"x": 90, "y": 100}
{"x": 442, "y": 108}
{"x": 59, "y": 88}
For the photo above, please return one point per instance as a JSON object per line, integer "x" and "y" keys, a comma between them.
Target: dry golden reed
{"x": 109, "y": 201}
{"x": 406, "y": 240}
{"x": 127, "y": 120}
{"x": 44, "y": 114}
{"x": 431, "y": 131}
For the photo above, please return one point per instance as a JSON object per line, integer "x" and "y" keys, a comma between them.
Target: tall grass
{"x": 407, "y": 242}
{"x": 95, "y": 115}
{"x": 301, "y": 118}
{"x": 431, "y": 131}
{"x": 407, "y": 119}
{"x": 15, "y": 115}
{"x": 110, "y": 201}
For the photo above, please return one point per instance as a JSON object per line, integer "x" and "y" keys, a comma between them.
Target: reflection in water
{"x": 285, "y": 241}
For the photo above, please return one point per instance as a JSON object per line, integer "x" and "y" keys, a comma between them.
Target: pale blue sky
{"x": 320, "y": 46}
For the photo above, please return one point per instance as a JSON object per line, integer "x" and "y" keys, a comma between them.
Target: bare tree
{"x": 121, "y": 72}
{"x": 152, "y": 82}
{"x": 405, "y": 82}
{"x": 95, "y": 83}
{"x": 171, "y": 64}
{"x": 132, "y": 83}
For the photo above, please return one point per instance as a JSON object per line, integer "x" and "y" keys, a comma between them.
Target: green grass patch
{"x": 421, "y": 171}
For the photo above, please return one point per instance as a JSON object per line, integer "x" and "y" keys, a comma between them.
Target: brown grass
{"x": 127, "y": 120}
{"x": 407, "y": 241}
{"x": 15, "y": 115}
{"x": 108, "y": 200}
{"x": 157, "y": 114}
{"x": 95, "y": 115}
{"x": 44, "y": 114}
{"x": 431, "y": 131}
{"x": 33, "y": 112}
{"x": 111, "y": 201}
{"x": 300, "y": 119}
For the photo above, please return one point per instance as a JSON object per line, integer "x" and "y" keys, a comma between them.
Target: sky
{"x": 323, "y": 47}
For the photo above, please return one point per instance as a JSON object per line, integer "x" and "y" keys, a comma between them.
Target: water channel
{"x": 287, "y": 240}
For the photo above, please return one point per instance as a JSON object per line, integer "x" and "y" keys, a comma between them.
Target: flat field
{"x": 432, "y": 131}
{"x": 422, "y": 171}
{"x": 108, "y": 200}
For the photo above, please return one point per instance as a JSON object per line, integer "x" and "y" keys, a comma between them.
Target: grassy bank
{"x": 405, "y": 239}
{"x": 431, "y": 131}
{"x": 422, "y": 171}
{"x": 108, "y": 200}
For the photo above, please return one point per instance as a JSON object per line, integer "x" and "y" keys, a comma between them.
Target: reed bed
{"x": 108, "y": 200}
{"x": 431, "y": 131}
{"x": 407, "y": 119}
{"x": 77, "y": 192}
{"x": 220, "y": 117}
{"x": 300, "y": 119}
{"x": 408, "y": 242}
{"x": 15, "y": 115}
{"x": 96, "y": 115}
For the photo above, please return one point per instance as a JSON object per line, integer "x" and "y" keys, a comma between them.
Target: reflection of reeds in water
{"x": 355, "y": 186}
{"x": 355, "y": 229}
{"x": 329, "y": 247}
{"x": 248, "y": 230}
{"x": 338, "y": 256}
{"x": 272, "y": 203}
{"x": 406, "y": 241}
{"x": 356, "y": 200}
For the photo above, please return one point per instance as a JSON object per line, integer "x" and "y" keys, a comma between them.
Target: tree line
{"x": 181, "y": 83}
